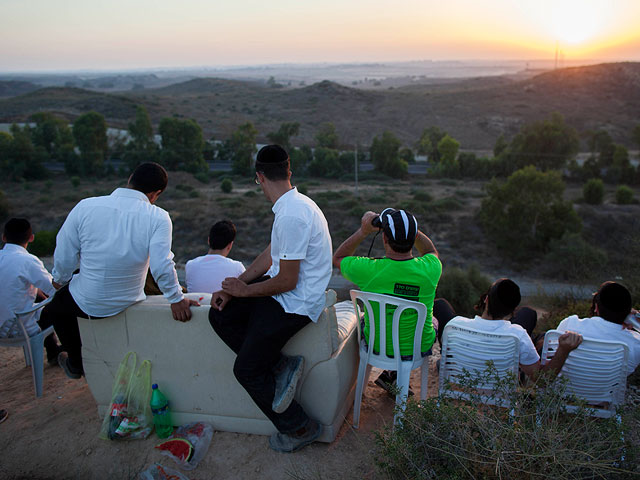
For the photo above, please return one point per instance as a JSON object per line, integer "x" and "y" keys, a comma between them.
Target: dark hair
{"x": 614, "y": 302}
{"x": 395, "y": 246}
{"x": 149, "y": 177}
{"x": 17, "y": 230}
{"x": 273, "y": 162}
{"x": 504, "y": 297}
{"x": 221, "y": 234}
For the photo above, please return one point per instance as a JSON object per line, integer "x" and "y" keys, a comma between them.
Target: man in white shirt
{"x": 610, "y": 307}
{"x": 113, "y": 240}
{"x": 23, "y": 278}
{"x": 279, "y": 293}
{"x": 497, "y": 307}
{"x": 206, "y": 273}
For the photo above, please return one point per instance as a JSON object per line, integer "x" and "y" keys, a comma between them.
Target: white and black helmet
{"x": 399, "y": 225}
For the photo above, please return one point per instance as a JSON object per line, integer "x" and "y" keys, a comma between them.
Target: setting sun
{"x": 575, "y": 21}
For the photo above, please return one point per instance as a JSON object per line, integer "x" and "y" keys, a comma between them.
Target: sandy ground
{"x": 56, "y": 437}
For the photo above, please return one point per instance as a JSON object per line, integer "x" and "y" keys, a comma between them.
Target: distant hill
{"x": 474, "y": 110}
{"x": 11, "y": 88}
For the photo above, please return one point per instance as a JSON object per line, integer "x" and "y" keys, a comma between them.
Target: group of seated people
{"x": 108, "y": 244}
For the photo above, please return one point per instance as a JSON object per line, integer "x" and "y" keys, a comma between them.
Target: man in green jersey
{"x": 398, "y": 273}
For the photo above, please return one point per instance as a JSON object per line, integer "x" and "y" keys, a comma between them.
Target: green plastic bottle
{"x": 161, "y": 412}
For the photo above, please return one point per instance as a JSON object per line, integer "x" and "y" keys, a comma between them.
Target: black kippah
{"x": 615, "y": 297}
{"x": 272, "y": 154}
{"x": 508, "y": 293}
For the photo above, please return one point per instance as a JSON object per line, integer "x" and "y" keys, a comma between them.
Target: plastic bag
{"x": 129, "y": 415}
{"x": 158, "y": 472}
{"x": 199, "y": 434}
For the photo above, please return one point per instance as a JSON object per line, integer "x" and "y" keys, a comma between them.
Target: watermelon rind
{"x": 180, "y": 448}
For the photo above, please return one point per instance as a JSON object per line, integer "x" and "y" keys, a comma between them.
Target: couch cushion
{"x": 346, "y": 321}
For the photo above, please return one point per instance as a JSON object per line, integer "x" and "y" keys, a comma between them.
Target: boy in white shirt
{"x": 206, "y": 273}
{"x": 23, "y": 278}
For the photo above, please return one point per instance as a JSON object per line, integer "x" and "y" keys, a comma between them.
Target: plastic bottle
{"x": 161, "y": 413}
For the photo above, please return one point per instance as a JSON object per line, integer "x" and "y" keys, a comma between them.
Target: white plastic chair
{"x": 596, "y": 372}
{"x": 466, "y": 348}
{"x": 380, "y": 360}
{"x": 33, "y": 347}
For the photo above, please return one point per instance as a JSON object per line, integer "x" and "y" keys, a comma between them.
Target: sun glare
{"x": 576, "y": 21}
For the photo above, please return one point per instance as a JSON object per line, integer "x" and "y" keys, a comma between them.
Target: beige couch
{"x": 193, "y": 367}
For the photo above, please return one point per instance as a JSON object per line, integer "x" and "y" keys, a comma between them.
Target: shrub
{"x": 226, "y": 185}
{"x": 624, "y": 195}
{"x": 443, "y": 438}
{"x": 573, "y": 258}
{"x": 75, "y": 181}
{"x": 462, "y": 288}
{"x": 44, "y": 243}
{"x": 4, "y": 206}
{"x": 593, "y": 191}
{"x": 422, "y": 196}
{"x": 202, "y": 177}
{"x": 303, "y": 188}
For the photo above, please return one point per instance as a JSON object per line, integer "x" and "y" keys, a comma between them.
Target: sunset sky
{"x": 40, "y": 35}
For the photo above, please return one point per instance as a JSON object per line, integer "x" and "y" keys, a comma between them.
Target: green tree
{"x": 283, "y": 136}
{"x": 90, "y": 133}
{"x": 5, "y": 148}
{"x": 593, "y": 191}
{"x": 182, "y": 145}
{"x": 326, "y": 163}
{"x": 407, "y": 155}
{"x": 636, "y": 135}
{"x": 500, "y": 146}
{"x": 448, "y": 149}
{"x": 50, "y": 132}
{"x": 523, "y": 214}
{"x": 385, "y": 157}
{"x": 428, "y": 143}
{"x": 142, "y": 147}
{"x": 327, "y": 136}
{"x": 548, "y": 144}
{"x": 601, "y": 144}
{"x": 620, "y": 168}
{"x": 243, "y": 145}
{"x": 300, "y": 159}
{"x": 23, "y": 159}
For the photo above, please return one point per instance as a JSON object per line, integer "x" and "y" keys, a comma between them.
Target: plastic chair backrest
{"x": 402, "y": 305}
{"x": 467, "y": 348}
{"x": 596, "y": 371}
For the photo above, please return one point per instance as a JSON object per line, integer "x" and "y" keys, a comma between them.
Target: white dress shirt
{"x": 205, "y": 274}
{"x": 528, "y": 353}
{"x": 114, "y": 240}
{"x": 21, "y": 274}
{"x": 300, "y": 232}
{"x": 600, "y": 329}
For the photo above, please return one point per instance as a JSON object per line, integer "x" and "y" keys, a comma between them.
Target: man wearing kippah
{"x": 610, "y": 307}
{"x": 497, "y": 307}
{"x": 398, "y": 273}
{"x": 279, "y": 293}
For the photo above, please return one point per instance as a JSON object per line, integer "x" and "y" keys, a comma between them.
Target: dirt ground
{"x": 56, "y": 437}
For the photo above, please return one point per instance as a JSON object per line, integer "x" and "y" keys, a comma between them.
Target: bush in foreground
{"x": 443, "y": 438}
{"x": 593, "y": 191}
{"x": 226, "y": 185}
{"x": 624, "y": 195}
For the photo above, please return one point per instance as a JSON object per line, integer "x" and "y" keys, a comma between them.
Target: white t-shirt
{"x": 206, "y": 273}
{"x": 21, "y": 274}
{"x": 528, "y": 353}
{"x": 115, "y": 240}
{"x": 300, "y": 232}
{"x": 600, "y": 329}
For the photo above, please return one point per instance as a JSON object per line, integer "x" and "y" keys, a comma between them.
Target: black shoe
{"x": 52, "y": 355}
{"x": 387, "y": 381}
{"x": 71, "y": 372}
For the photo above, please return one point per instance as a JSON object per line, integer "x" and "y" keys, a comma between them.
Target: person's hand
{"x": 234, "y": 287}
{"x": 569, "y": 341}
{"x": 182, "y": 310}
{"x": 365, "y": 223}
{"x": 219, "y": 299}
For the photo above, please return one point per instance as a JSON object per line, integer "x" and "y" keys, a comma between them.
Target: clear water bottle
{"x": 161, "y": 412}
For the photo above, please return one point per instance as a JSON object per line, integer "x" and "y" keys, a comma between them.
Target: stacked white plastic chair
{"x": 33, "y": 347}
{"x": 466, "y": 348}
{"x": 369, "y": 358}
{"x": 596, "y": 372}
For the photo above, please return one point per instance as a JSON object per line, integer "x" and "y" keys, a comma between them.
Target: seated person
{"x": 23, "y": 278}
{"x": 497, "y": 307}
{"x": 206, "y": 273}
{"x": 398, "y": 273}
{"x": 610, "y": 306}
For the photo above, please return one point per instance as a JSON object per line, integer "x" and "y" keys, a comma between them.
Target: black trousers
{"x": 62, "y": 313}
{"x": 256, "y": 329}
{"x": 524, "y": 316}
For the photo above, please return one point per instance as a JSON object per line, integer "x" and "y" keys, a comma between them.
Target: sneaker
{"x": 63, "y": 361}
{"x": 387, "y": 381}
{"x": 288, "y": 443}
{"x": 3, "y": 415}
{"x": 286, "y": 382}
